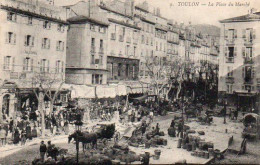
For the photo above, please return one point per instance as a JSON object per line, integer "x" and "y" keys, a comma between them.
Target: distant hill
{"x": 208, "y": 29}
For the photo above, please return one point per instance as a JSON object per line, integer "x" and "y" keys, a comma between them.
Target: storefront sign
{"x": 30, "y": 52}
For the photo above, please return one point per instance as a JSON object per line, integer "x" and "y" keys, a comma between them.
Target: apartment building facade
{"x": 239, "y": 60}
{"x": 33, "y": 42}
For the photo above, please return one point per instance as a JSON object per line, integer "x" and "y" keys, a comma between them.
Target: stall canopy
{"x": 135, "y": 87}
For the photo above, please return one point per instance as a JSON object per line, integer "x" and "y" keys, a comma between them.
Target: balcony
{"x": 121, "y": 38}
{"x": 230, "y": 80}
{"x": 128, "y": 40}
{"x": 230, "y": 60}
{"x": 230, "y": 41}
{"x": 93, "y": 49}
{"x": 113, "y": 36}
{"x": 248, "y": 41}
{"x": 248, "y": 60}
{"x": 101, "y": 50}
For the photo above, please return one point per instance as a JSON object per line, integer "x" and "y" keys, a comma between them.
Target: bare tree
{"x": 166, "y": 73}
{"x": 49, "y": 85}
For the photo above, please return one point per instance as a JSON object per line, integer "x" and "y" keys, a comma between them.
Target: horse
{"x": 84, "y": 138}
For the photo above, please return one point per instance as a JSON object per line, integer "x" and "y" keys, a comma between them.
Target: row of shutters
{"x": 31, "y": 67}
{"x": 244, "y": 52}
{"x": 253, "y": 33}
{"x": 44, "y": 44}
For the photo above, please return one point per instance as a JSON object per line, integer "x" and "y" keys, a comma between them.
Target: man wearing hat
{"x": 43, "y": 149}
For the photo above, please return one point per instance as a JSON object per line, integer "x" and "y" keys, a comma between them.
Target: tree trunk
{"x": 41, "y": 109}
{"x": 51, "y": 106}
{"x": 178, "y": 91}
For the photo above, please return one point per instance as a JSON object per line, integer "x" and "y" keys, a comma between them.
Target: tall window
{"x": 59, "y": 66}
{"x": 134, "y": 50}
{"x": 10, "y": 38}
{"x": 30, "y": 21}
{"x": 229, "y": 88}
{"x": 60, "y": 46}
{"x": 11, "y": 16}
{"x": 97, "y": 78}
{"x": 249, "y": 35}
{"x": 119, "y": 69}
{"x": 230, "y": 71}
{"x": 46, "y": 25}
{"x": 27, "y": 64}
{"x": 101, "y": 59}
{"x": 101, "y": 44}
{"x": 93, "y": 42}
{"x": 92, "y": 59}
{"x": 29, "y": 40}
{"x": 44, "y": 65}
{"x": 92, "y": 27}
{"x": 46, "y": 43}
{"x": 102, "y": 29}
{"x": 231, "y": 34}
{"x": 60, "y": 28}
{"x": 127, "y": 50}
{"x": 127, "y": 70}
{"x": 7, "y": 62}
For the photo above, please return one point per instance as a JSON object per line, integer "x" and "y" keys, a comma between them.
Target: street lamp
{"x": 225, "y": 110}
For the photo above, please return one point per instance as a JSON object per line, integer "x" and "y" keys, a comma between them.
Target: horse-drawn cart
{"x": 252, "y": 126}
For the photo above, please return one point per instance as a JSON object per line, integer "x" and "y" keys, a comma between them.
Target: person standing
{"x": 2, "y": 135}
{"x": 43, "y": 149}
{"x": 29, "y": 132}
{"x": 16, "y": 136}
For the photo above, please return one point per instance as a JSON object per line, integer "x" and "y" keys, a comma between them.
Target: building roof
{"x": 83, "y": 19}
{"x": 141, "y": 8}
{"x": 243, "y": 18}
{"x": 161, "y": 27}
{"x": 123, "y": 23}
{"x": 104, "y": 7}
{"x": 29, "y": 13}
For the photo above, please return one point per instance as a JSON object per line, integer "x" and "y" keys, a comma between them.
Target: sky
{"x": 202, "y": 11}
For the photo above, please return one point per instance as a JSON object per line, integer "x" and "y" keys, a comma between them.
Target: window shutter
{"x": 25, "y": 40}
{"x": 253, "y": 72}
{"x": 56, "y": 67}
{"x": 14, "y": 38}
{"x": 62, "y": 66}
{"x": 24, "y": 64}
{"x": 6, "y": 37}
{"x": 48, "y": 65}
{"x": 57, "y": 45}
{"x": 5, "y": 62}
{"x": 253, "y": 33}
{"x": 235, "y": 51}
{"x": 15, "y": 17}
{"x": 13, "y": 63}
{"x": 243, "y": 72}
{"x": 235, "y": 33}
{"x": 49, "y": 43}
{"x": 32, "y": 41}
{"x": 43, "y": 25}
{"x": 32, "y": 65}
{"x": 226, "y": 34}
{"x": 253, "y": 52}
{"x": 43, "y": 43}
{"x": 244, "y": 33}
{"x": 244, "y": 52}
{"x": 226, "y": 51}
{"x": 49, "y": 25}
{"x": 41, "y": 69}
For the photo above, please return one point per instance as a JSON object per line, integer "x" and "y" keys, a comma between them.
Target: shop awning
{"x": 141, "y": 98}
{"x": 106, "y": 91}
{"x": 80, "y": 91}
{"x": 245, "y": 93}
{"x": 135, "y": 87}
